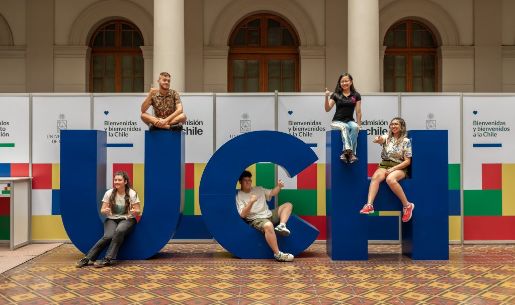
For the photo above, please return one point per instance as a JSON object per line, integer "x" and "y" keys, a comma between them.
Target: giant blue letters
{"x": 83, "y": 161}
{"x": 425, "y": 236}
{"x": 83, "y": 183}
{"x": 83, "y": 174}
{"x": 217, "y": 192}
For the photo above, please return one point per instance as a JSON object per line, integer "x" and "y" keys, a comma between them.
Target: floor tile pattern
{"x": 206, "y": 274}
{"x": 10, "y": 259}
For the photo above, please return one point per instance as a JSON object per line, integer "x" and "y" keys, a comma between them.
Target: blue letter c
{"x": 217, "y": 192}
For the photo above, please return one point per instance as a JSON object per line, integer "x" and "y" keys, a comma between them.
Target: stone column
{"x": 169, "y": 54}
{"x": 363, "y": 40}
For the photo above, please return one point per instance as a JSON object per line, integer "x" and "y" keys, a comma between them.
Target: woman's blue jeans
{"x": 349, "y": 132}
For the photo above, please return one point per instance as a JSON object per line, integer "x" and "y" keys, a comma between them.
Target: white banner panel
{"x": 14, "y": 129}
{"x": 238, "y": 114}
{"x": 199, "y": 127}
{"x": 377, "y": 111}
{"x": 488, "y": 133}
{"x": 51, "y": 114}
{"x": 304, "y": 117}
{"x": 435, "y": 112}
{"x": 119, "y": 116}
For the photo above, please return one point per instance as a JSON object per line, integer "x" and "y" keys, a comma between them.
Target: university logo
{"x": 245, "y": 123}
{"x": 61, "y": 123}
{"x": 430, "y": 121}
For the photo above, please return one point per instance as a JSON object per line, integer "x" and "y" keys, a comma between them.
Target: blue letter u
{"x": 83, "y": 181}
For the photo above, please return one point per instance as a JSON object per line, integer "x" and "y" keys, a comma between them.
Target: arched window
{"x": 116, "y": 58}
{"x": 263, "y": 55}
{"x": 410, "y": 61}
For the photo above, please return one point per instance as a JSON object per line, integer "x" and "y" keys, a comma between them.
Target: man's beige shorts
{"x": 260, "y": 222}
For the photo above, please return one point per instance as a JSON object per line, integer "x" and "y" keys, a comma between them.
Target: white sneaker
{"x": 282, "y": 230}
{"x": 283, "y": 257}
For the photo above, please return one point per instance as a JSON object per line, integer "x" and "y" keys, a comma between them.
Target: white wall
{"x": 508, "y": 22}
{"x": 13, "y": 57}
{"x": 508, "y": 49}
{"x": 194, "y": 43}
{"x": 335, "y": 42}
{"x": 457, "y": 68}
{"x": 487, "y": 46}
{"x": 14, "y": 13}
{"x": 508, "y": 66}
{"x": 321, "y": 24}
{"x": 40, "y": 46}
{"x": 12, "y": 73}
{"x": 316, "y": 12}
{"x": 65, "y": 14}
{"x": 461, "y": 13}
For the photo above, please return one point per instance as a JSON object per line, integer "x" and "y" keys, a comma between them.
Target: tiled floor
{"x": 10, "y": 259}
{"x": 207, "y": 274}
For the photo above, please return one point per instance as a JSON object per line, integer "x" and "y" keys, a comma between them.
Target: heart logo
{"x": 290, "y": 112}
{"x": 474, "y": 112}
{"x": 106, "y": 112}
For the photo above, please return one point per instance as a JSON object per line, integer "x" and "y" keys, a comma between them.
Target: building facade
{"x": 265, "y": 45}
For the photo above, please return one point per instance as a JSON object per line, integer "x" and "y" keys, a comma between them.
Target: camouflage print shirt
{"x": 164, "y": 105}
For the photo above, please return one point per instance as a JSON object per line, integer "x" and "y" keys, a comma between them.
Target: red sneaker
{"x": 407, "y": 212}
{"x": 367, "y": 209}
